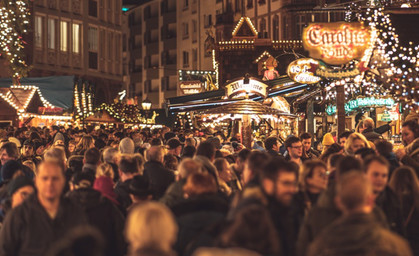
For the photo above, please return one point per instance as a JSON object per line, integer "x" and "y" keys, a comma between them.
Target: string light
{"x": 14, "y": 20}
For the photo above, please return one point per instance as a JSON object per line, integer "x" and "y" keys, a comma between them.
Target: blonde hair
{"x": 105, "y": 170}
{"x": 151, "y": 225}
{"x": 85, "y": 143}
{"x": 355, "y": 136}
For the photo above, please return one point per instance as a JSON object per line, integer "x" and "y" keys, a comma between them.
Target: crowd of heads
{"x": 188, "y": 192}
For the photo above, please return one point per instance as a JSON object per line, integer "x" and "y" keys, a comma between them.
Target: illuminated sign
{"x": 336, "y": 43}
{"x": 239, "y": 88}
{"x": 322, "y": 70}
{"x": 362, "y": 103}
{"x": 191, "y": 87}
{"x": 300, "y": 71}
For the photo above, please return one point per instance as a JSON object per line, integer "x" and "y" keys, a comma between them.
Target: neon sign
{"x": 362, "y": 103}
{"x": 336, "y": 43}
{"x": 300, "y": 71}
{"x": 191, "y": 87}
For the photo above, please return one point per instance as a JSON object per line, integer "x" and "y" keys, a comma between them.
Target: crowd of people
{"x": 115, "y": 192}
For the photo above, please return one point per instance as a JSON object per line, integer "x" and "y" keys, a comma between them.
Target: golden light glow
{"x": 336, "y": 43}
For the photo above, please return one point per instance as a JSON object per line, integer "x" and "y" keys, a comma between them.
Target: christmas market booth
{"x": 25, "y": 105}
{"x": 242, "y": 107}
{"x": 122, "y": 115}
{"x": 36, "y": 101}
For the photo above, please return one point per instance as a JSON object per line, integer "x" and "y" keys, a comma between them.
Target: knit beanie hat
{"x": 328, "y": 139}
{"x": 19, "y": 182}
{"x": 126, "y": 146}
{"x": 59, "y": 136}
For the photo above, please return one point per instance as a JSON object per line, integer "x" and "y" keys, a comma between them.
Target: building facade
{"x": 150, "y": 55}
{"x": 80, "y": 38}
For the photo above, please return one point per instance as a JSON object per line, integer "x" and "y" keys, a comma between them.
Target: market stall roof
{"x": 197, "y": 105}
{"x": 247, "y": 107}
{"x": 58, "y": 90}
{"x": 19, "y": 97}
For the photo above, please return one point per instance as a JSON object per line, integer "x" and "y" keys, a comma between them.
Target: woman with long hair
{"x": 84, "y": 144}
{"x": 405, "y": 185}
{"x": 355, "y": 141}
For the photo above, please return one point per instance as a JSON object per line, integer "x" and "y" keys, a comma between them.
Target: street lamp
{"x": 146, "y": 104}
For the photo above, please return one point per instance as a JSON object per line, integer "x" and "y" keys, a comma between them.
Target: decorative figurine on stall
{"x": 270, "y": 72}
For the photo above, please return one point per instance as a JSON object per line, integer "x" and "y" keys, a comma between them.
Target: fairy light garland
{"x": 14, "y": 20}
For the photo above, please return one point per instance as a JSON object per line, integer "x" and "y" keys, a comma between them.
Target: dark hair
{"x": 11, "y": 149}
{"x": 188, "y": 151}
{"x": 383, "y": 147}
{"x": 83, "y": 179}
{"x": 305, "y": 136}
{"x": 334, "y": 159}
{"x": 206, "y": 149}
{"x": 374, "y": 158}
{"x": 252, "y": 229}
{"x": 92, "y": 156}
{"x": 270, "y": 142}
{"x": 344, "y": 134}
{"x": 156, "y": 142}
{"x": 277, "y": 165}
{"x": 170, "y": 162}
{"x": 404, "y": 184}
{"x": 347, "y": 164}
{"x": 128, "y": 165}
{"x": 243, "y": 154}
{"x": 365, "y": 152}
{"x": 291, "y": 140}
{"x": 413, "y": 126}
{"x": 257, "y": 160}
{"x": 200, "y": 183}
{"x": 334, "y": 148}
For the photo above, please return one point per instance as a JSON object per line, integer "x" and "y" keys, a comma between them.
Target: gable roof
{"x": 245, "y": 28}
{"x": 19, "y": 96}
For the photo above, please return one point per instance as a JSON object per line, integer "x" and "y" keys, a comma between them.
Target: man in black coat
{"x": 377, "y": 171}
{"x": 100, "y": 211}
{"x": 160, "y": 178}
{"x": 127, "y": 169}
{"x": 272, "y": 146}
{"x": 368, "y": 132}
{"x": 44, "y": 218}
{"x": 357, "y": 232}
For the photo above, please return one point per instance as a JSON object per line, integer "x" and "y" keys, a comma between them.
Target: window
{"x": 238, "y": 5}
{"x": 300, "y": 23}
{"x": 92, "y": 39}
{"x": 249, "y": 4}
{"x": 76, "y": 38}
{"x": 185, "y": 30}
{"x": 64, "y": 36}
{"x": 275, "y": 28}
{"x": 262, "y": 26}
{"x": 207, "y": 20}
{"x": 38, "y": 31}
{"x": 165, "y": 83}
{"x": 185, "y": 4}
{"x": 51, "y": 33}
{"x": 194, "y": 31}
{"x": 185, "y": 59}
{"x": 93, "y": 8}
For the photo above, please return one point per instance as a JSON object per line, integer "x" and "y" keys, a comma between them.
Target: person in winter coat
{"x": 128, "y": 168}
{"x": 41, "y": 220}
{"x": 202, "y": 209}
{"x": 410, "y": 154}
{"x": 100, "y": 211}
{"x": 357, "y": 232}
{"x": 377, "y": 170}
{"x": 160, "y": 178}
{"x": 405, "y": 186}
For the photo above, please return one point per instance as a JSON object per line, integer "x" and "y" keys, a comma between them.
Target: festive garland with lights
{"x": 393, "y": 68}
{"x": 14, "y": 20}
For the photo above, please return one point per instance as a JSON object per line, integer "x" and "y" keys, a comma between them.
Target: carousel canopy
{"x": 247, "y": 107}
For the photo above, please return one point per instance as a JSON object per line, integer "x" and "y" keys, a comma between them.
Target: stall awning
{"x": 199, "y": 105}
{"x": 58, "y": 90}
